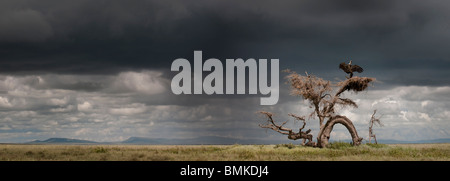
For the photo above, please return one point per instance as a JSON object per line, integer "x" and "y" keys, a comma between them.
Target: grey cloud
{"x": 24, "y": 26}
{"x": 51, "y": 111}
{"x": 95, "y": 37}
{"x": 108, "y": 116}
{"x": 144, "y": 82}
{"x": 43, "y": 105}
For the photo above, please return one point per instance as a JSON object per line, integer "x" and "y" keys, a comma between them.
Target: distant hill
{"x": 443, "y": 140}
{"x": 207, "y": 140}
{"x": 61, "y": 141}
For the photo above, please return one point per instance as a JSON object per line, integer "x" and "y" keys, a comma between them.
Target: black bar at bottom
{"x": 217, "y": 170}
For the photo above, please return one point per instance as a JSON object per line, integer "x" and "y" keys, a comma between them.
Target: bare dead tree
{"x": 373, "y": 121}
{"x": 323, "y": 101}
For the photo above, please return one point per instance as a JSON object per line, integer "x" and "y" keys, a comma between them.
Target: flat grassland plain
{"x": 283, "y": 152}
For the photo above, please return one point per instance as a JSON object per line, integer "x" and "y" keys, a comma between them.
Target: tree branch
{"x": 286, "y": 131}
{"x": 272, "y": 125}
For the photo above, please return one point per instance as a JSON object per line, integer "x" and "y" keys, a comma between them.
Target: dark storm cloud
{"x": 98, "y": 37}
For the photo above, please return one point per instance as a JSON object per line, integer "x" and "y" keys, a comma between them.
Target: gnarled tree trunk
{"x": 324, "y": 134}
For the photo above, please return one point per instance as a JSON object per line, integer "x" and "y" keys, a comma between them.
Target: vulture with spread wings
{"x": 349, "y": 68}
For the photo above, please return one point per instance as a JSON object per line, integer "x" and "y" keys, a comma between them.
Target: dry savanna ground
{"x": 283, "y": 152}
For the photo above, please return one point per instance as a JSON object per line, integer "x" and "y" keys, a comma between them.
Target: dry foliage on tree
{"x": 323, "y": 101}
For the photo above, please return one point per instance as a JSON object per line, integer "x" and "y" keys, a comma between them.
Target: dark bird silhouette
{"x": 349, "y": 68}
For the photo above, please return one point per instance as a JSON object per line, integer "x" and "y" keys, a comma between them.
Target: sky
{"x": 100, "y": 70}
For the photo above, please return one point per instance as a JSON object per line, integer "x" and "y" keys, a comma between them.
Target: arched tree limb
{"x": 324, "y": 134}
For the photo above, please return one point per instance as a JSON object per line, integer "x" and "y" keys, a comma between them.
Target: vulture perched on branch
{"x": 349, "y": 68}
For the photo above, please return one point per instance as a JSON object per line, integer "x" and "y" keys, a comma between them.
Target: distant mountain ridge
{"x": 60, "y": 141}
{"x": 442, "y": 140}
{"x": 206, "y": 140}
